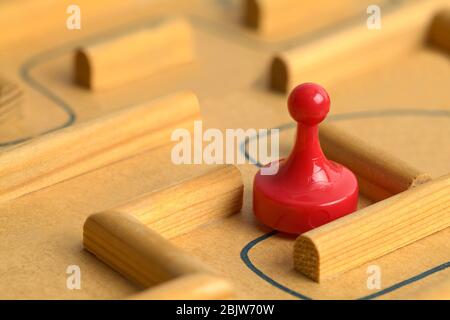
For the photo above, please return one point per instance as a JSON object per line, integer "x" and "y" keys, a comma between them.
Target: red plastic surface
{"x": 308, "y": 190}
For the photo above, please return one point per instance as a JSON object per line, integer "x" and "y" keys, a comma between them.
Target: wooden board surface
{"x": 402, "y": 106}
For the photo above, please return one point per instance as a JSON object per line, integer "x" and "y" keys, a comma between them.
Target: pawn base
{"x": 284, "y": 211}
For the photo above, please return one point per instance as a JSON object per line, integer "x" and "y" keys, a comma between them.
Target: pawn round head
{"x": 309, "y": 103}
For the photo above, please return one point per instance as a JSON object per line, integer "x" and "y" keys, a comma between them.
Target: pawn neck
{"x": 307, "y": 142}
{"x": 306, "y": 164}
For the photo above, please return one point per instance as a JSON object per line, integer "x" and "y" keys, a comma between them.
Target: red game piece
{"x": 308, "y": 190}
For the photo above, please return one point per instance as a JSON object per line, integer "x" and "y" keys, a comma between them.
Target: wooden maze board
{"x": 402, "y": 105}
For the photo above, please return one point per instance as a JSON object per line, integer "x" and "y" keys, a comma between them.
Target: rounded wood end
{"x": 82, "y": 69}
{"x": 279, "y": 74}
{"x": 306, "y": 258}
{"x": 439, "y": 30}
{"x": 251, "y": 13}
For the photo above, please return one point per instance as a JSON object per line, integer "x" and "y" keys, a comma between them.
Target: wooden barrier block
{"x": 270, "y": 17}
{"x": 380, "y": 175}
{"x": 133, "y": 56}
{"x": 374, "y": 231}
{"x": 75, "y": 150}
{"x": 136, "y": 251}
{"x": 440, "y": 30}
{"x": 197, "y": 286}
{"x": 11, "y": 101}
{"x": 200, "y": 200}
{"x": 353, "y": 50}
{"x": 126, "y": 237}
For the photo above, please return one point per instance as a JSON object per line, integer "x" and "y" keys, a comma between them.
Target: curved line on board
{"x": 26, "y": 67}
{"x": 251, "y": 266}
{"x": 340, "y": 117}
{"x": 25, "y": 73}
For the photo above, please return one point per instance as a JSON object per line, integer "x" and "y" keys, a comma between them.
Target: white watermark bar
{"x": 213, "y": 146}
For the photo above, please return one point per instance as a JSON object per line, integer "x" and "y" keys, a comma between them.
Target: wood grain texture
{"x": 380, "y": 175}
{"x": 75, "y": 150}
{"x": 41, "y": 234}
{"x": 198, "y": 286}
{"x": 11, "y": 101}
{"x": 374, "y": 231}
{"x": 439, "y": 34}
{"x": 133, "y": 246}
{"x": 212, "y": 196}
{"x": 133, "y": 56}
{"x": 355, "y": 49}
{"x": 136, "y": 251}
